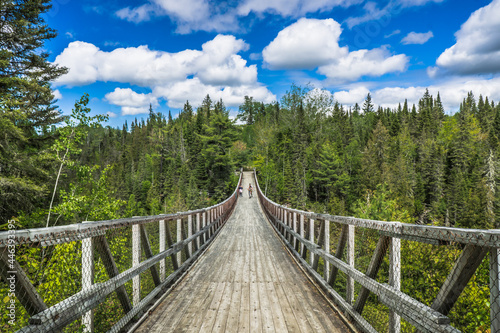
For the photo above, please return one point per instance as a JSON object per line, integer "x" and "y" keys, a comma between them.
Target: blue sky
{"x": 130, "y": 54}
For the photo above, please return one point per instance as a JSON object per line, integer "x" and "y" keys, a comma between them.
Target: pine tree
{"x": 368, "y": 105}
{"x": 27, "y": 111}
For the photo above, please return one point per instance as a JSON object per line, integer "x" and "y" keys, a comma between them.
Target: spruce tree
{"x": 27, "y": 110}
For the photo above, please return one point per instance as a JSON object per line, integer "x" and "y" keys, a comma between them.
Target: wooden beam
{"x": 73, "y": 307}
{"x": 88, "y": 280}
{"x": 349, "y": 289}
{"x": 136, "y": 260}
{"x": 187, "y": 253}
{"x": 170, "y": 242}
{"x": 14, "y": 276}
{"x": 371, "y": 272}
{"x": 321, "y": 240}
{"x": 339, "y": 251}
{"x": 196, "y": 229}
{"x": 161, "y": 230}
{"x": 326, "y": 244}
{"x": 395, "y": 281}
{"x": 311, "y": 239}
{"x": 104, "y": 251}
{"x": 190, "y": 233}
{"x": 305, "y": 235}
{"x": 179, "y": 239}
{"x": 464, "y": 268}
{"x": 301, "y": 233}
{"x": 149, "y": 253}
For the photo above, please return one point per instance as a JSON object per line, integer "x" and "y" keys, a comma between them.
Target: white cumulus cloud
{"x": 217, "y": 62}
{"x": 477, "y": 47}
{"x": 351, "y": 96}
{"x": 452, "y": 93}
{"x": 312, "y": 43}
{"x": 195, "y": 91}
{"x": 307, "y": 43}
{"x": 356, "y": 64}
{"x": 216, "y": 69}
{"x": 417, "y": 38}
{"x": 194, "y": 15}
{"x": 131, "y": 102}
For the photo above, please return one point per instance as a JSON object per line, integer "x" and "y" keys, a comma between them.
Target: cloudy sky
{"x": 130, "y": 54}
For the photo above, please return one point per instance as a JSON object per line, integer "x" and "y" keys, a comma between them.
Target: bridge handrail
{"x": 190, "y": 244}
{"x": 68, "y": 233}
{"x": 426, "y": 318}
{"x": 415, "y": 232}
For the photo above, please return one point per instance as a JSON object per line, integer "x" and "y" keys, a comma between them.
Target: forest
{"x": 414, "y": 163}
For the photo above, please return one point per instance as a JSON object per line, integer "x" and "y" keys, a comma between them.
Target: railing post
{"x": 88, "y": 279}
{"x": 495, "y": 289}
{"x": 285, "y": 222}
{"x": 302, "y": 234}
{"x": 327, "y": 250}
{"x": 136, "y": 259}
{"x": 220, "y": 215}
{"x": 198, "y": 243}
{"x": 350, "y": 261}
{"x": 190, "y": 233}
{"x": 204, "y": 224}
{"x": 162, "y": 248}
{"x": 209, "y": 221}
{"x": 395, "y": 281}
{"x": 295, "y": 229}
{"x": 311, "y": 238}
{"x": 179, "y": 239}
{"x": 280, "y": 219}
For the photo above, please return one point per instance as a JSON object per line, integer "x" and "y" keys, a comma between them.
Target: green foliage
{"x": 27, "y": 110}
{"x": 377, "y": 205}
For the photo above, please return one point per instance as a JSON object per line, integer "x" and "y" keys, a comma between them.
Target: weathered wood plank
{"x": 255, "y": 310}
{"x": 373, "y": 268}
{"x": 244, "y": 319}
{"x": 214, "y": 309}
{"x": 149, "y": 253}
{"x": 25, "y": 292}
{"x": 321, "y": 240}
{"x": 102, "y": 247}
{"x": 339, "y": 251}
{"x": 464, "y": 268}
{"x": 170, "y": 242}
{"x": 276, "y": 310}
{"x": 234, "y": 307}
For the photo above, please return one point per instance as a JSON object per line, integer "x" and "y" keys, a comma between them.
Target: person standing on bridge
{"x": 250, "y": 189}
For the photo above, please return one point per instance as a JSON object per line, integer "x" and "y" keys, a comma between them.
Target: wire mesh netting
{"x": 97, "y": 276}
{"x": 394, "y": 277}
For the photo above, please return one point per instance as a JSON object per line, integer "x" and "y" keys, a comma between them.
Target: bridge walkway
{"x": 245, "y": 282}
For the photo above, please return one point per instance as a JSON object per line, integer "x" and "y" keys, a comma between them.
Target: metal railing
{"x": 99, "y": 276}
{"x": 434, "y": 279}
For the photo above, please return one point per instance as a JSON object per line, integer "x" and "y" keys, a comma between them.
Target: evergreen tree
{"x": 27, "y": 110}
{"x": 368, "y": 105}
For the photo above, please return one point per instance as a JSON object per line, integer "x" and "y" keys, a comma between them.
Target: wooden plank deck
{"x": 245, "y": 282}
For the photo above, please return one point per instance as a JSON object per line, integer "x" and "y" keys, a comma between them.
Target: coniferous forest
{"x": 414, "y": 163}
